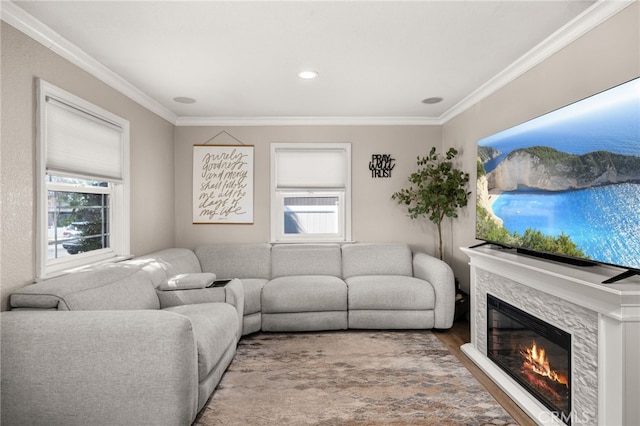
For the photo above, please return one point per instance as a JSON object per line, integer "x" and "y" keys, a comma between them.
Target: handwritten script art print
{"x": 222, "y": 184}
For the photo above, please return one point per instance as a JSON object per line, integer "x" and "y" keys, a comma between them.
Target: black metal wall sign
{"x": 381, "y": 165}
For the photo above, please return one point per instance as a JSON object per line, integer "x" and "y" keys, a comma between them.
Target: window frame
{"x": 278, "y": 196}
{"x": 118, "y": 189}
{"x": 80, "y": 189}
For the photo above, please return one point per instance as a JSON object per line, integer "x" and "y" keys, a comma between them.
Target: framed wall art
{"x": 223, "y": 184}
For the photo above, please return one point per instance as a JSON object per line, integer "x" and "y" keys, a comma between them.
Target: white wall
{"x": 376, "y": 217}
{"x": 152, "y": 183}
{"x": 606, "y": 56}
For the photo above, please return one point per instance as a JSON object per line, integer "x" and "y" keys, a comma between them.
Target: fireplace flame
{"x": 536, "y": 360}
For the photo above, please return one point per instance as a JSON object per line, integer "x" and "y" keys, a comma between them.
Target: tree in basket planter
{"x": 437, "y": 190}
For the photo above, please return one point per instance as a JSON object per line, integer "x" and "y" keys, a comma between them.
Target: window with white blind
{"x": 83, "y": 182}
{"x": 310, "y": 192}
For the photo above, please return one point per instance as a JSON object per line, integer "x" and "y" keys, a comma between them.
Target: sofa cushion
{"x": 390, "y": 292}
{"x": 236, "y": 260}
{"x": 306, "y": 259}
{"x": 106, "y": 287}
{"x": 215, "y": 327}
{"x": 376, "y": 259}
{"x": 164, "y": 264}
{"x": 304, "y": 293}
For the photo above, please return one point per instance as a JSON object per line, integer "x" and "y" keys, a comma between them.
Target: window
{"x": 311, "y": 192}
{"x": 83, "y": 188}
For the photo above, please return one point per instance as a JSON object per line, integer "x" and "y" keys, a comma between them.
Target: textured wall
{"x": 152, "y": 198}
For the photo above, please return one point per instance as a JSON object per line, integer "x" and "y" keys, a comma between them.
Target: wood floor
{"x": 460, "y": 334}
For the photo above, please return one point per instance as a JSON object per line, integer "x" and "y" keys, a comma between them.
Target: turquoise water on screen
{"x": 604, "y": 221}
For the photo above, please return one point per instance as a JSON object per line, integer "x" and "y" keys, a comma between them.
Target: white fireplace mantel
{"x": 604, "y": 320}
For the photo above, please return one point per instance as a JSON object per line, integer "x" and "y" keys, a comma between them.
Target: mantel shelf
{"x": 580, "y": 285}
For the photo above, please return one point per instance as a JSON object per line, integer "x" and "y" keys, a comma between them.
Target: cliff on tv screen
{"x": 568, "y": 182}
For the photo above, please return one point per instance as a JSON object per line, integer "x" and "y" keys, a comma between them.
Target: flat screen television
{"x": 566, "y": 185}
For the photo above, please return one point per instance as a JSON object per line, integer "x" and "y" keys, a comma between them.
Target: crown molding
{"x": 307, "y": 121}
{"x": 21, "y": 20}
{"x": 574, "y": 29}
{"x": 583, "y": 23}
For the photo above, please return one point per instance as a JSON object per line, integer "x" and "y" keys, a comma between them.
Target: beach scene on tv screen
{"x": 567, "y": 182}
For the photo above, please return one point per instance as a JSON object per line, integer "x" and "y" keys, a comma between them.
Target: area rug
{"x": 349, "y": 378}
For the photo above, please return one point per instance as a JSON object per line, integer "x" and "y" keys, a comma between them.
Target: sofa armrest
{"x": 234, "y": 292}
{"x": 98, "y": 367}
{"x": 440, "y": 275}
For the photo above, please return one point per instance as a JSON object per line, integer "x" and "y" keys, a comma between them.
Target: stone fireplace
{"x": 590, "y": 334}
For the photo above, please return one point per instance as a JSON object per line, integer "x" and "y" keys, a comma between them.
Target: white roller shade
{"x": 79, "y": 143}
{"x": 311, "y": 168}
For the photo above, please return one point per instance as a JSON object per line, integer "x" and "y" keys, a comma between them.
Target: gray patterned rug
{"x": 349, "y": 378}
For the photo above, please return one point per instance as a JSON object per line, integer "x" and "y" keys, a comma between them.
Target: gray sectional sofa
{"x": 102, "y": 347}
{"x": 332, "y": 287}
{"x": 115, "y": 344}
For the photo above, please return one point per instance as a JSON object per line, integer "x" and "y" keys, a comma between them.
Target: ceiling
{"x": 239, "y": 60}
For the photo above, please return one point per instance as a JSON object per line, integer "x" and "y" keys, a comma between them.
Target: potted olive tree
{"x": 437, "y": 190}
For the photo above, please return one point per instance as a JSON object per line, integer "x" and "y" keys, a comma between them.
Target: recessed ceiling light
{"x": 308, "y": 75}
{"x": 433, "y": 100}
{"x": 184, "y": 100}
